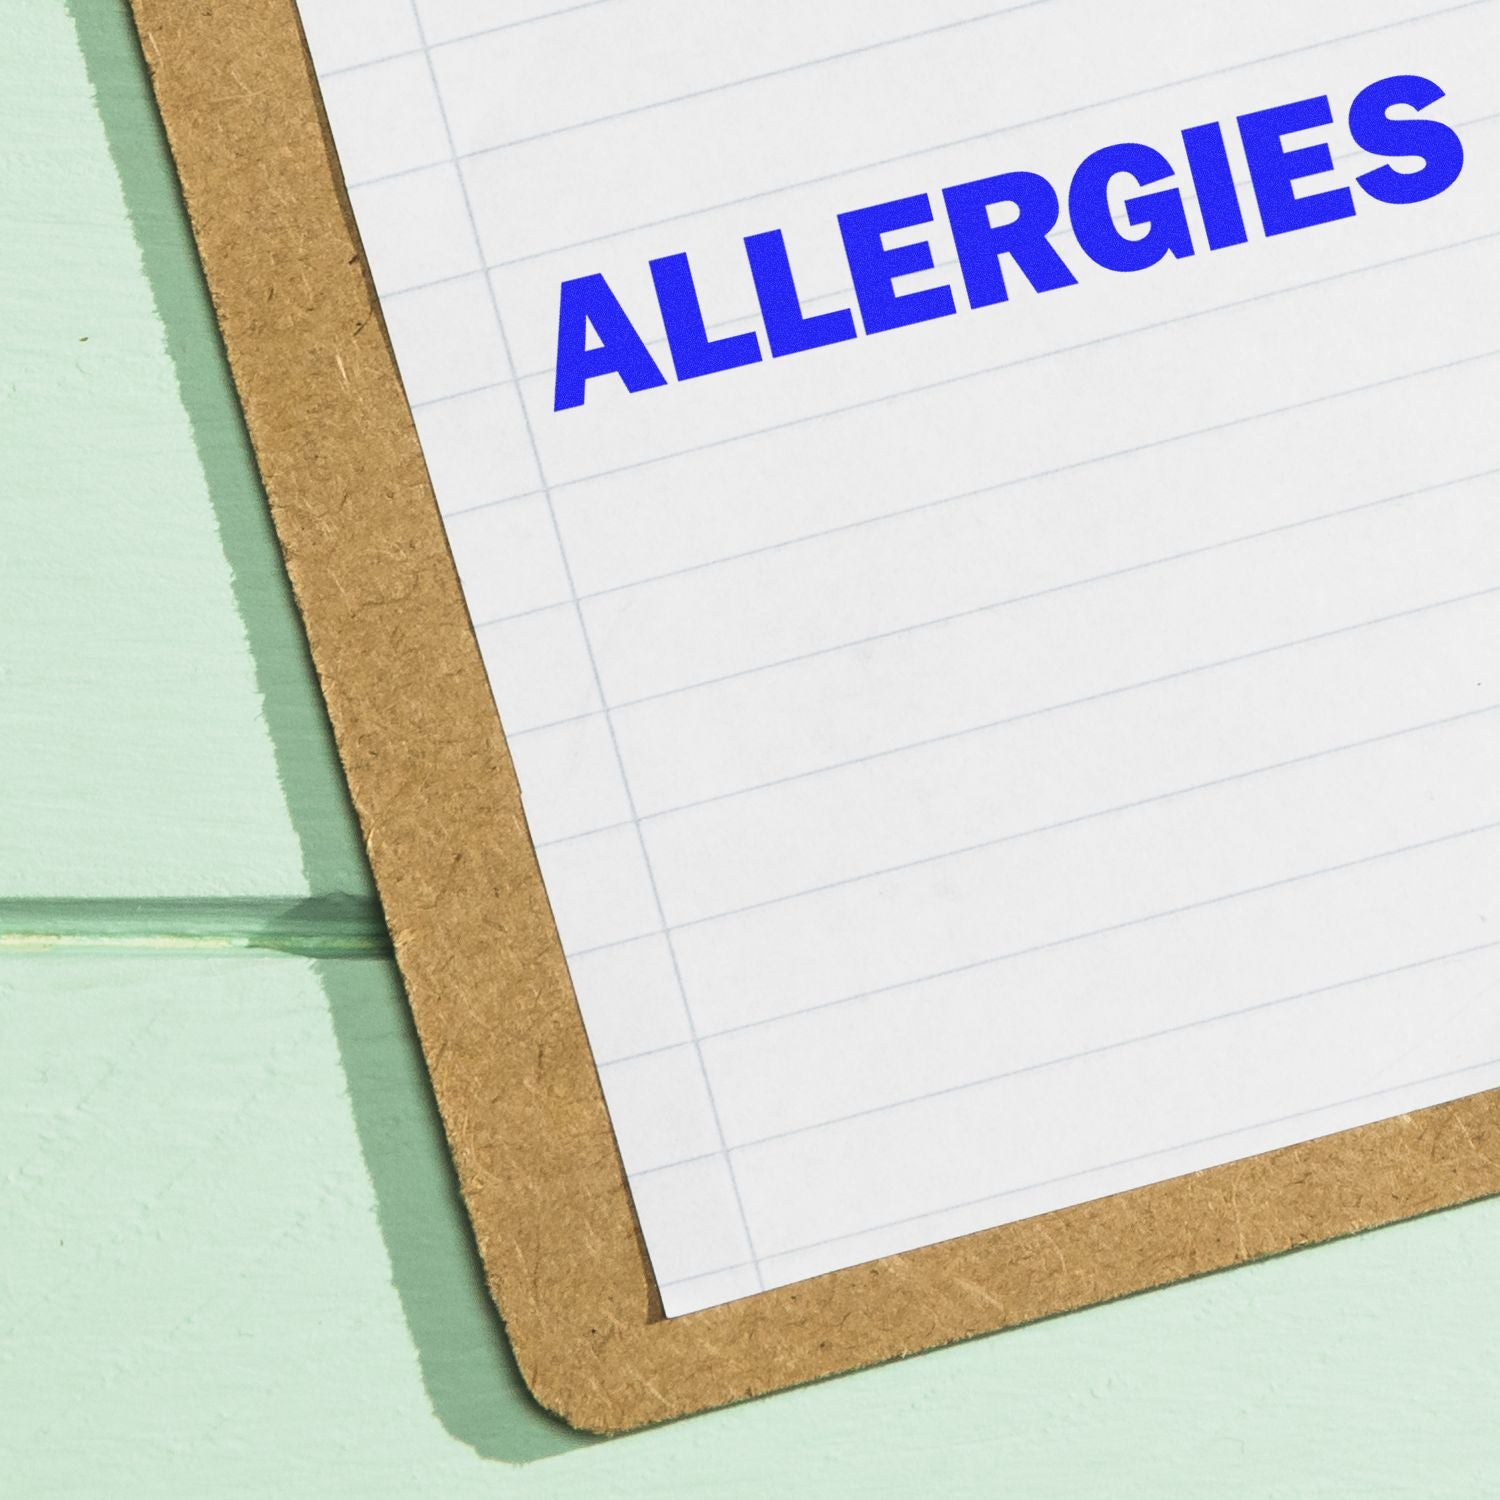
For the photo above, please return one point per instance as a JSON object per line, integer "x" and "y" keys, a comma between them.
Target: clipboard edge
{"x": 397, "y": 658}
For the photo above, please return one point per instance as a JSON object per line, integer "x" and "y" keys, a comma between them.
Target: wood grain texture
{"x": 437, "y": 797}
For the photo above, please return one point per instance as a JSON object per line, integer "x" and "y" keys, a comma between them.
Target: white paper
{"x": 998, "y": 762}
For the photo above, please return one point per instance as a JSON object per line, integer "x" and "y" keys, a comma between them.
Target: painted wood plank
{"x": 160, "y": 731}
{"x": 230, "y": 1263}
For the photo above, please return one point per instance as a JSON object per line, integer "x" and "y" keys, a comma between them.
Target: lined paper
{"x": 1008, "y": 760}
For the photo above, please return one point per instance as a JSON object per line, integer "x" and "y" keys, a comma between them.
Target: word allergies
{"x": 588, "y": 305}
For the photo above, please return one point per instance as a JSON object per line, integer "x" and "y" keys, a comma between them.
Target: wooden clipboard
{"x": 437, "y": 798}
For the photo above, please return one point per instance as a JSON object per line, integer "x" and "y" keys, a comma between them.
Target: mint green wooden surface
{"x": 165, "y": 694}
{"x": 231, "y": 1259}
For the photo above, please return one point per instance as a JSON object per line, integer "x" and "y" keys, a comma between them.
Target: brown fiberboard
{"x": 437, "y": 798}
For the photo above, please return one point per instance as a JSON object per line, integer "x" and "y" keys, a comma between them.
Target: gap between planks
{"x": 332, "y": 926}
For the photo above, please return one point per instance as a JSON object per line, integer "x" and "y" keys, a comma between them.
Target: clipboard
{"x": 432, "y": 780}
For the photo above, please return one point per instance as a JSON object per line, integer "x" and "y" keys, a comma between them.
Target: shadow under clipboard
{"x": 465, "y": 1359}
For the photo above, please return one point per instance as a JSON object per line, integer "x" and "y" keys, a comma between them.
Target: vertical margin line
{"x": 588, "y": 644}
